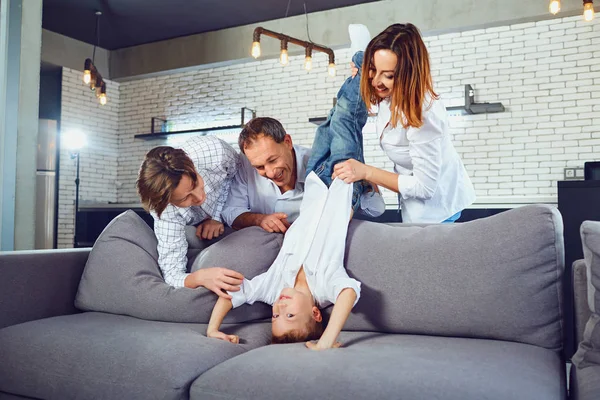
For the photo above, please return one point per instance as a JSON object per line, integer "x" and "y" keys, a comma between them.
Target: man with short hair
{"x": 269, "y": 186}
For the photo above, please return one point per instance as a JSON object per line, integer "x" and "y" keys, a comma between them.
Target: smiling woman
{"x": 429, "y": 177}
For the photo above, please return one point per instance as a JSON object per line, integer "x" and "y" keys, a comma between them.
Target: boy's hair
{"x": 313, "y": 331}
{"x": 412, "y": 76}
{"x": 261, "y": 126}
{"x": 160, "y": 174}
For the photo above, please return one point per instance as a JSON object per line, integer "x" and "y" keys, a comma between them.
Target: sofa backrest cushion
{"x": 495, "y": 278}
{"x": 588, "y": 352}
{"x": 122, "y": 274}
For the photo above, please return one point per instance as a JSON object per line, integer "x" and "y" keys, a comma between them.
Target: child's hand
{"x": 320, "y": 345}
{"x": 235, "y": 339}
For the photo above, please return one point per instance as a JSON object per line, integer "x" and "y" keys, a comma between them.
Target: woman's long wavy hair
{"x": 412, "y": 76}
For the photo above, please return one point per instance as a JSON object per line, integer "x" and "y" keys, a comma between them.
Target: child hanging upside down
{"x": 308, "y": 273}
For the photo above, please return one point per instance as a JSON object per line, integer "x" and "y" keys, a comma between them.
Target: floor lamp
{"x": 74, "y": 141}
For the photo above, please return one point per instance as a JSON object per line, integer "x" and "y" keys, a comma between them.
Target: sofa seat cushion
{"x": 389, "y": 366}
{"x": 103, "y": 356}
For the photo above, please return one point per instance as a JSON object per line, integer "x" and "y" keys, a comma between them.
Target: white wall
{"x": 546, "y": 74}
{"x": 80, "y": 110}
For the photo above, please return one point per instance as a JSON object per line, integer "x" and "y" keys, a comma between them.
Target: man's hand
{"x": 350, "y": 171}
{"x": 276, "y": 222}
{"x": 235, "y": 339}
{"x": 215, "y": 279}
{"x": 209, "y": 229}
{"x": 320, "y": 345}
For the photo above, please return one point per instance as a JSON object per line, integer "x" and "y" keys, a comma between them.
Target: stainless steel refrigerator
{"x": 45, "y": 202}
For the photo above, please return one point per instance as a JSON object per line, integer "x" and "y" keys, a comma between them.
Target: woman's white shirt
{"x": 433, "y": 184}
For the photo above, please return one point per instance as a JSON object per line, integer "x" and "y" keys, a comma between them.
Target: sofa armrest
{"x": 39, "y": 284}
{"x": 585, "y": 383}
{"x": 580, "y": 299}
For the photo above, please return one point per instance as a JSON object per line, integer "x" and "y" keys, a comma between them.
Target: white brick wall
{"x": 547, "y": 76}
{"x": 81, "y": 111}
{"x": 545, "y": 73}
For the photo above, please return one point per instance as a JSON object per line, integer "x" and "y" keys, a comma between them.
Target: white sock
{"x": 359, "y": 37}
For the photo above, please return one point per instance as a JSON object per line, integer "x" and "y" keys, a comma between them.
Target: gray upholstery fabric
{"x": 588, "y": 353}
{"x": 495, "y": 278}
{"x": 104, "y": 356}
{"x": 122, "y": 274}
{"x": 39, "y": 284}
{"x": 378, "y": 366}
{"x": 585, "y": 383}
{"x": 582, "y": 308}
{"x": 7, "y": 396}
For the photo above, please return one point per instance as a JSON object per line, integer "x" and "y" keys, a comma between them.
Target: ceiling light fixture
{"x": 285, "y": 40}
{"x": 554, "y": 6}
{"x": 91, "y": 76}
{"x": 588, "y": 10}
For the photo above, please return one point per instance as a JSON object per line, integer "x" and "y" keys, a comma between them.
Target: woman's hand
{"x": 235, "y": 339}
{"x": 215, "y": 279}
{"x": 350, "y": 171}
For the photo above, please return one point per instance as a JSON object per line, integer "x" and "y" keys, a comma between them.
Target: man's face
{"x": 273, "y": 160}
{"x": 186, "y": 194}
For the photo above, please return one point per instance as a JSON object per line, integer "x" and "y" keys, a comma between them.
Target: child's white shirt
{"x": 324, "y": 216}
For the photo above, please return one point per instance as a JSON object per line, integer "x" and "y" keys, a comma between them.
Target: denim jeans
{"x": 340, "y": 138}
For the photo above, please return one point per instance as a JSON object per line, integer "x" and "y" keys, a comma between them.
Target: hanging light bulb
{"x": 588, "y": 10}
{"x": 103, "y": 99}
{"x": 93, "y": 79}
{"x": 283, "y": 56}
{"x": 308, "y": 63}
{"x": 308, "y": 59}
{"x": 554, "y": 6}
{"x": 87, "y": 76}
{"x": 255, "y": 49}
{"x": 87, "y": 71}
{"x": 331, "y": 69}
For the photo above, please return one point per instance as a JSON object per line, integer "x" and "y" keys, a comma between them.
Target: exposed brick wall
{"x": 80, "y": 110}
{"x": 546, "y": 73}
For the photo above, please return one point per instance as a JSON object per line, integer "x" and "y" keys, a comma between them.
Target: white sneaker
{"x": 359, "y": 37}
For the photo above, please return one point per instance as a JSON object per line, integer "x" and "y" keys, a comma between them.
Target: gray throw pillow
{"x": 122, "y": 274}
{"x": 494, "y": 278}
{"x": 588, "y": 353}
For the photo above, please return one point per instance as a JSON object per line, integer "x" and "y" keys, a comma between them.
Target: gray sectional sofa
{"x": 463, "y": 311}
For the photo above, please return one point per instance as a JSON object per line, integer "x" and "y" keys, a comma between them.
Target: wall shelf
{"x": 161, "y": 133}
{"x": 317, "y": 120}
{"x": 202, "y": 131}
{"x": 470, "y": 107}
